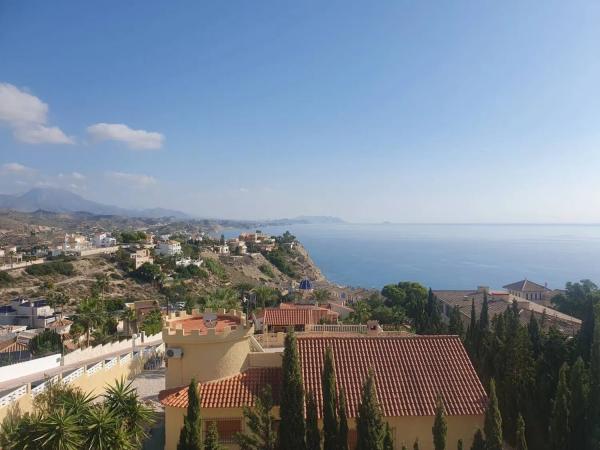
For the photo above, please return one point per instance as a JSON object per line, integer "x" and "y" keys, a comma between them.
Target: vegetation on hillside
{"x": 51, "y": 268}
{"x": 5, "y": 279}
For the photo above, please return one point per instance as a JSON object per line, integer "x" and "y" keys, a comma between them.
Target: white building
{"x": 169, "y": 248}
{"x": 104, "y": 240}
{"x": 184, "y": 262}
{"x": 75, "y": 243}
{"x": 31, "y": 313}
{"x": 221, "y": 249}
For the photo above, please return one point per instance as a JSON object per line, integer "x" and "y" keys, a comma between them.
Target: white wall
{"x": 99, "y": 350}
{"x": 29, "y": 367}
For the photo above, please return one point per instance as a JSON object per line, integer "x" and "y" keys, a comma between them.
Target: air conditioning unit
{"x": 174, "y": 353}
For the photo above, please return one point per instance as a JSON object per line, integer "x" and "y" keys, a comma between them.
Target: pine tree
{"x": 388, "y": 440}
{"x": 369, "y": 424}
{"x": 459, "y": 445}
{"x": 440, "y": 428}
{"x": 292, "y": 428}
{"x": 313, "y": 435}
{"x": 330, "y": 407}
{"x": 261, "y": 434}
{"x": 190, "y": 436}
{"x": 579, "y": 385}
{"x": 212, "y": 438}
{"x": 456, "y": 324}
{"x": 478, "y": 441}
{"x": 493, "y": 421}
{"x": 520, "y": 440}
{"x": 559, "y": 424}
{"x": 343, "y": 415}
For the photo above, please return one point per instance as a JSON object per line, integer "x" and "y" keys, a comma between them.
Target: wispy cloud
{"x": 15, "y": 168}
{"x": 27, "y": 116}
{"x": 135, "y": 139}
{"x": 135, "y": 180}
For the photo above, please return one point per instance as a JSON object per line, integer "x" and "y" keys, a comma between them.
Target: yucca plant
{"x": 59, "y": 430}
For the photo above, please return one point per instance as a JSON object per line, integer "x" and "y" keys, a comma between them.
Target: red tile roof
{"x": 197, "y": 323}
{"x": 409, "y": 373}
{"x": 233, "y": 392}
{"x": 287, "y": 316}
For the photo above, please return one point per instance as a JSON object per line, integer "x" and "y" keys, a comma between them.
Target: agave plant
{"x": 59, "y": 430}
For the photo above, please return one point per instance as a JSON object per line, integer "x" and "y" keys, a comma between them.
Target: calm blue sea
{"x": 451, "y": 256}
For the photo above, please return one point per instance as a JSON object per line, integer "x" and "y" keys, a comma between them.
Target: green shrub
{"x": 5, "y": 279}
{"x": 267, "y": 270}
{"x": 45, "y": 343}
{"x": 215, "y": 268}
{"x": 152, "y": 323}
{"x": 191, "y": 271}
{"x": 51, "y": 268}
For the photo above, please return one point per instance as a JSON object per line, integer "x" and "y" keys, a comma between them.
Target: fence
{"x": 340, "y": 328}
{"x": 91, "y": 370}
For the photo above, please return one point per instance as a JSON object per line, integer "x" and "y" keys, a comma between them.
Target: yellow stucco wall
{"x": 95, "y": 383}
{"x": 405, "y": 429}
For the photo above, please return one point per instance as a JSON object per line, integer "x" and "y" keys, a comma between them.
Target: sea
{"x": 450, "y": 256}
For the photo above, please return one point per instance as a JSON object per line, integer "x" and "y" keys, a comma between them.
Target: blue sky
{"x": 392, "y": 110}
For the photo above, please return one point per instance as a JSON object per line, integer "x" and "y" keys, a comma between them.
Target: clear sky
{"x": 390, "y": 110}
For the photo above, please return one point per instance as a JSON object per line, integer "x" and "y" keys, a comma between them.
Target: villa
{"x": 169, "y": 248}
{"x": 222, "y": 354}
{"x": 140, "y": 257}
{"x": 296, "y": 316}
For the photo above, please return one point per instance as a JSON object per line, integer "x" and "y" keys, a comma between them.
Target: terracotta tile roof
{"x": 287, "y": 317}
{"x": 291, "y": 316}
{"x": 12, "y": 346}
{"x": 409, "y": 373}
{"x": 525, "y": 286}
{"x": 233, "y": 392}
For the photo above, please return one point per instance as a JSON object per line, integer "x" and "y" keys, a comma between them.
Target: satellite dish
{"x": 210, "y": 320}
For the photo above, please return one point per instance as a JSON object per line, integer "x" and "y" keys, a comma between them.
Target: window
{"x": 227, "y": 429}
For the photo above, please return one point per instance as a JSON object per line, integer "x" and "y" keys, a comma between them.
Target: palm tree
{"x": 122, "y": 400}
{"x": 265, "y": 296}
{"x": 104, "y": 430}
{"x": 90, "y": 314}
{"x": 223, "y": 298}
{"x": 59, "y": 430}
{"x": 128, "y": 315}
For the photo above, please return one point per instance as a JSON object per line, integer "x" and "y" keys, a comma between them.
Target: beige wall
{"x": 94, "y": 383}
{"x": 405, "y": 429}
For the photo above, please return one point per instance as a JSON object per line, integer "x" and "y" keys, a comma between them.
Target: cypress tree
{"x": 388, "y": 441}
{"x": 416, "y": 444}
{"x": 343, "y": 415}
{"x": 471, "y": 339}
{"x": 520, "y": 440}
{"x": 456, "y": 324}
{"x": 369, "y": 424}
{"x": 190, "y": 436}
{"x": 313, "y": 435}
{"x": 260, "y": 434}
{"x": 330, "y": 418}
{"x": 212, "y": 438}
{"x": 493, "y": 421}
{"x": 459, "y": 445}
{"x": 292, "y": 427}
{"x": 535, "y": 335}
{"x": 440, "y": 428}
{"x": 484, "y": 318}
{"x": 478, "y": 441}
{"x": 559, "y": 424}
{"x": 578, "y": 408}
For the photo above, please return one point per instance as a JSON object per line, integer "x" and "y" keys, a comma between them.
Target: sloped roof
{"x": 233, "y": 392}
{"x": 525, "y": 286}
{"x": 409, "y": 371}
{"x": 292, "y": 316}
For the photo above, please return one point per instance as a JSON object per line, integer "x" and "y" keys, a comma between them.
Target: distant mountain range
{"x": 62, "y": 201}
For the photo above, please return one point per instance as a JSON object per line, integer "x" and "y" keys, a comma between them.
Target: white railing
{"x": 95, "y": 368}
{"x": 74, "y": 375}
{"x": 13, "y": 396}
{"x": 339, "y": 328}
{"x": 255, "y": 345}
{"x": 110, "y": 363}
